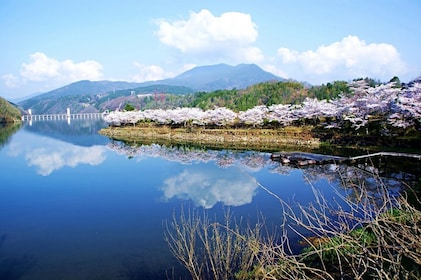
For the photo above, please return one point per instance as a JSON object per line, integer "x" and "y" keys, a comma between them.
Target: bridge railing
{"x": 42, "y": 117}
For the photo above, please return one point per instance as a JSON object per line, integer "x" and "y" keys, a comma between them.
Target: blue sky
{"x": 46, "y": 44}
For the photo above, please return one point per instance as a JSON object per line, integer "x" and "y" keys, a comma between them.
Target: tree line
{"x": 266, "y": 93}
{"x": 358, "y": 106}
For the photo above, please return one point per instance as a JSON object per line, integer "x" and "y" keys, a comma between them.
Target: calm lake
{"x": 76, "y": 205}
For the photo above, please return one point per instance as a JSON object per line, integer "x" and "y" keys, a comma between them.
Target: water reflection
{"x": 81, "y": 132}
{"x": 48, "y": 154}
{"x": 14, "y": 268}
{"x": 208, "y": 187}
{"x": 86, "y": 207}
{"x": 233, "y": 188}
{"x": 6, "y": 131}
{"x": 250, "y": 160}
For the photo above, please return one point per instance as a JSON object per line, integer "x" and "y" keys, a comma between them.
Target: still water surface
{"x": 76, "y": 205}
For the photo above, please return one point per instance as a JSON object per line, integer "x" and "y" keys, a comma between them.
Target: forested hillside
{"x": 94, "y": 96}
{"x": 171, "y": 97}
{"x": 267, "y": 93}
{"x": 8, "y": 112}
{"x": 260, "y": 94}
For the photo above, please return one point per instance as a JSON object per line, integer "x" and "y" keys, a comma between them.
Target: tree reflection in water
{"x": 394, "y": 173}
{"x": 6, "y": 131}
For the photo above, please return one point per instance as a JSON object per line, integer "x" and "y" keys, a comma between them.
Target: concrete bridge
{"x": 66, "y": 116}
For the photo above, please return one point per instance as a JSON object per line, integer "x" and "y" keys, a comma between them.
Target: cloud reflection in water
{"x": 47, "y": 160}
{"x": 205, "y": 189}
{"x": 58, "y": 154}
{"x": 223, "y": 182}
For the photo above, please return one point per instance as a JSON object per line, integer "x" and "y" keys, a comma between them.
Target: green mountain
{"x": 222, "y": 76}
{"x": 93, "y": 101}
{"x": 8, "y": 112}
{"x": 266, "y": 93}
{"x": 89, "y": 96}
{"x": 88, "y": 88}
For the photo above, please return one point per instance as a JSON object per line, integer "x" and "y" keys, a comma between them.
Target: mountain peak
{"x": 223, "y": 76}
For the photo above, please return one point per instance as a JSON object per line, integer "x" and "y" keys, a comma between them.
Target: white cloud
{"x": 228, "y": 36}
{"x": 207, "y": 188}
{"x": 349, "y": 58}
{"x": 43, "y": 68}
{"x": 10, "y": 80}
{"x": 58, "y": 155}
{"x": 149, "y": 73}
{"x": 274, "y": 69}
{"x": 187, "y": 67}
{"x": 251, "y": 54}
{"x": 66, "y": 155}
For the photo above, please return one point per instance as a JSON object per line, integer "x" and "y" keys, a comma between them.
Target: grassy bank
{"x": 264, "y": 139}
{"x": 303, "y": 138}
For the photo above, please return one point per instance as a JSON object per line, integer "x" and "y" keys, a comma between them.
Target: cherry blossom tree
{"x": 366, "y": 102}
{"x": 386, "y": 104}
{"x": 314, "y": 109}
{"x": 406, "y": 111}
{"x": 220, "y": 116}
{"x": 254, "y": 116}
{"x": 184, "y": 115}
{"x": 157, "y": 115}
{"x": 116, "y": 118}
{"x": 284, "y": 114}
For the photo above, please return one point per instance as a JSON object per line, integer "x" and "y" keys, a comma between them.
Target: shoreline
{"x": 238, "y": 138}
{"x": 303, "y": 138}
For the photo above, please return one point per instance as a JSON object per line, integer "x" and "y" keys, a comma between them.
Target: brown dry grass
{"x": 377, "y": 237}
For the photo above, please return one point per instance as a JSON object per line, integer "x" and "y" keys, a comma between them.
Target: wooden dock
{"x": 304, "y": 159}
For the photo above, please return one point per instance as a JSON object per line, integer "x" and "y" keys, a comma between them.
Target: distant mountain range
{"x": 82, "y": 96}
{"x": 220, "y": 76}
{"x": 87, "y": 88}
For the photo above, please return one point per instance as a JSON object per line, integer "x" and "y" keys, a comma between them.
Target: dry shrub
{"x": 376, "y": 236}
